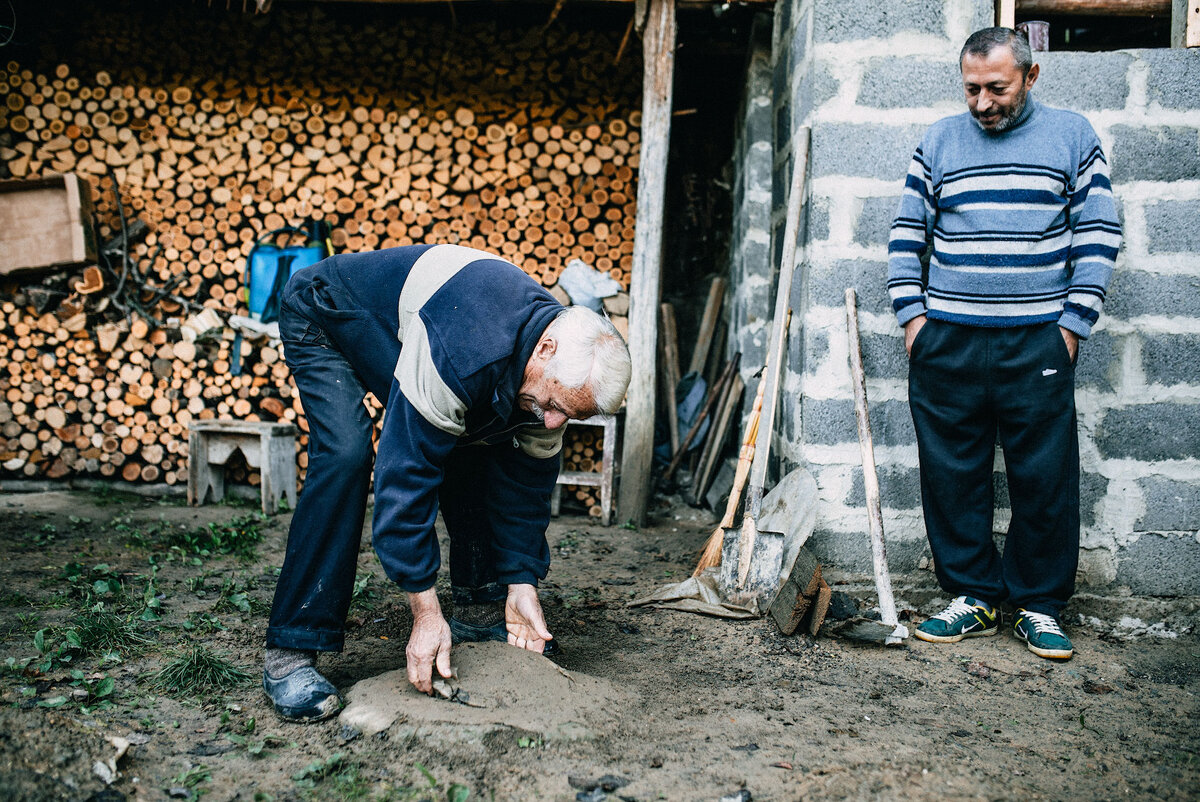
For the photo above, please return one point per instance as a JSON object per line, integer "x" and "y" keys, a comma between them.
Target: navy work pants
{"x": 969, "y": 386}
{"x": 312, "y": 596}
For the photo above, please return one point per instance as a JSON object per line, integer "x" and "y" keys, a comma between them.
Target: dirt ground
{"x": 642, "y": 704}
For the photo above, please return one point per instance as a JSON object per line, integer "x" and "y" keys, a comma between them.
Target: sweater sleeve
{"x": 1095, "y": 240}
{"x": 518, "y": 503}
{"x": 408, "y": 472}
{"x": 910, "y": 235}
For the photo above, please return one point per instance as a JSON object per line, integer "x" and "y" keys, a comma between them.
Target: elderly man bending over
{"x": 480, "y": 368}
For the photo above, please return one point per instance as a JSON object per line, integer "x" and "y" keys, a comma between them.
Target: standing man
{"x": 1014, "y": 200}
{"x": 479, "y": 368}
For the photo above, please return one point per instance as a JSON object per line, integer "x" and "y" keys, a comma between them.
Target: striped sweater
{"x": 1022, "y": 224}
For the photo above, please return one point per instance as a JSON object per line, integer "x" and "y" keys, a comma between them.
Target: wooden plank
{"x": 717, "y": 436}
{"x": 820, "y": 608}
{"x": 797, "y": 593}
{"x": 658, "y": 45}
{"x": 1006, "y": 13}
{"x": 1093, "y": 8}
{"x": 45, "y": 222}
{"x": 1192, "y": 37}
{"x": 670, "y": 371}
{"x": 708, "y": 325}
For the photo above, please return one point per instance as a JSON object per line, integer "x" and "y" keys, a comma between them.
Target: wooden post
{"x": 670, "y": 371}
{"x": 1185, "y": 23}
{"x": 658, "y": 46}
{"x": 1006, "y": 13}
{"x": 708, "y": 325}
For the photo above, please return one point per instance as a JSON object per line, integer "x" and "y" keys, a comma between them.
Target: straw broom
{"x": 711, "y": 555}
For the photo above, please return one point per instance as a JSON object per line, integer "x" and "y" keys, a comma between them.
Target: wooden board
{"x": 45, "y": 222}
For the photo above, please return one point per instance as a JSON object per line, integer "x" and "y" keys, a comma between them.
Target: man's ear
{"x": 545, "y": 348}
{"x": 1031, "y": 77}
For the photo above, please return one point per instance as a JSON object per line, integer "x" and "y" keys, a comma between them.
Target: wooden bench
{"x": 603, "y": 480}
{"x": 270, "y": 447}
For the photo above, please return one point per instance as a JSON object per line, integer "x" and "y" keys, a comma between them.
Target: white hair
{"x": 589, "y": 352}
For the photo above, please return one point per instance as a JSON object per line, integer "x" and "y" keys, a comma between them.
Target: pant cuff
{"x": 313, "y": 640}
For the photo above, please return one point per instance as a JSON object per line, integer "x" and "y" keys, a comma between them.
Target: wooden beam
{"x": 1094, "y": 8}
{"x": 1192, "y": 39}
{"x": 658, "y": 57}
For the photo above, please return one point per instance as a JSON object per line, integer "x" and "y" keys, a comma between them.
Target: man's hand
{"x": 910, "y": 331}
{"x": 524, "y": 620}
{"x": 1072, "y": 341}
{"x": 429, "y": 643}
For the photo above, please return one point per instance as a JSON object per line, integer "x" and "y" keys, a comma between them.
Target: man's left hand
{"x": 1072, "y": 341}
{"x": 524, "y": 619}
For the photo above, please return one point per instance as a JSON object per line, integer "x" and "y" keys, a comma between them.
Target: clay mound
{"x": 504, "y": 686}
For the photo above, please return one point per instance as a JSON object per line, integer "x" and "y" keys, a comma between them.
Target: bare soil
{"x": 642, "y": 704}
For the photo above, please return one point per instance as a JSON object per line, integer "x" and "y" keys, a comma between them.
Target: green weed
{"x": 363, "y": 596}
{"x": 203, "y": 623}
{"x": 102, "y": 631}
{"x": 192, "y": 778}
{"x": 198, "y": 671}
{"x": 256, "y": 747}
{"x": 233, "y": 596}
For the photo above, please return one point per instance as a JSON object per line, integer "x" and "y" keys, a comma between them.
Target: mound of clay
{"x": 504, "y": 685}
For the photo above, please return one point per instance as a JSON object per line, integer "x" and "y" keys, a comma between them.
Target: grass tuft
{"x": 197, "y": 672}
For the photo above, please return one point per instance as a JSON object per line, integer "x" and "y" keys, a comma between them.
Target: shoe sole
{"x": 1051, "y": 654}
{"x": 326, "y": 709}
{"x": 983, "y": 633}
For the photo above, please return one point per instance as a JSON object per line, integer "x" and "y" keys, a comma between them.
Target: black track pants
{"x": 969, "y": 386}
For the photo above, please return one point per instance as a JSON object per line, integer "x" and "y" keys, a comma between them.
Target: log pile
{"x": 583, "y": 449}
{"x": 105, "y": 368}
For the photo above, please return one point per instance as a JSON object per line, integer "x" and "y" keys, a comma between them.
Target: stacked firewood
{"x": 105, "y": 368}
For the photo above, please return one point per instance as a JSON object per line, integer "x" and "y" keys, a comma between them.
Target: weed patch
{"x": 198, "y": 672}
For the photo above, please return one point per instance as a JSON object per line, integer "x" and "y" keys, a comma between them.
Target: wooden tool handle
{"x": 883, "y": 579}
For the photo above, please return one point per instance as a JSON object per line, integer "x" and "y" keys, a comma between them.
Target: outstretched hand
{"x": 429, "y": 643}
{"x": 524, "y": 619}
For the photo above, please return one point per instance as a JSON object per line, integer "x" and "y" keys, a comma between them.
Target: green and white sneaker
{"x": 1042, "y": 634}
{"x": 964, "y": 618}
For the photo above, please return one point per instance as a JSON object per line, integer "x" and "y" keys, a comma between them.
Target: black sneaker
{"x": 462, "y": 632}
{"x": 1043, "y": 635}
{"x": 303, "y": 695}
{"x": 963, "y": 618}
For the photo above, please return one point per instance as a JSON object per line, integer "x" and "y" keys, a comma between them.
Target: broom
{"x": 711, "y": 556}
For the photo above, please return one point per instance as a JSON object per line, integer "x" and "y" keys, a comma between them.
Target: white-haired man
{"x": 479, "y": 368}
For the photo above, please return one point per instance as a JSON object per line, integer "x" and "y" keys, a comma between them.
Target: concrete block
{"x": 827, "y": 283}
{"x": 848, "y": 20}
{"x": 1135, "y": 292}
{"x": 1159, "y": 153}
{"x": 875, "y": 220}
{"x": 1099, "y": 364}
{"x": 1171, "y": 358}
{"x": 851, "y": 551}
{"x": 1092, "y": 488}
{"x": 1172, "y": 81}
{"x": 832, "y": 421}
{"x": 1173, "y": 226}
{"x": 884, "y": 356}
{"x": 797, "y": 44}
{"x": 1157, "y": 431}
{"x": 757, "y": 170}
{"x": 758, "y": 125}
{"x": 1083, "y": 81}
{"x": 818, "y": 218}
{"x": 872, "y": 150}
{"x": 1170, "y": 505}
{"x": 908, "y": 82}
{"x": 816, "y": 87}
{"x": 899, "y": 488}
{"x": 1160, "y": 565}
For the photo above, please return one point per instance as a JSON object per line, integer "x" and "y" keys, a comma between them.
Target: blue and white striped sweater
{"x": 1022, "y": 223}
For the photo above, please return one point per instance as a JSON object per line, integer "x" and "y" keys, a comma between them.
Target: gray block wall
{"x": 868, "y": 78}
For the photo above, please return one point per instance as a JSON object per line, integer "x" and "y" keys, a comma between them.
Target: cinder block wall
{"x": 868, "y": 78}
